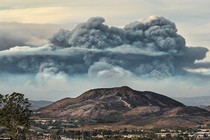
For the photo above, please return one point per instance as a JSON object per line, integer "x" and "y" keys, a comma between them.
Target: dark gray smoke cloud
{"x": 149, "y": 47}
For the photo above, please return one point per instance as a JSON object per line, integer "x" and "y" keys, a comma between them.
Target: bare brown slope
{"x": 132, "y": 97}
{"x": 105, "y": 101}
{"x": 124, "y": 105}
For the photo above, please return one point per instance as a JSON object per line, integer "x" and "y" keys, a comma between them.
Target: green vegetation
{"x": 15, "y": 115}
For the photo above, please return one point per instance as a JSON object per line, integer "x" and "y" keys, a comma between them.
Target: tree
{"x": 15, "y": 115}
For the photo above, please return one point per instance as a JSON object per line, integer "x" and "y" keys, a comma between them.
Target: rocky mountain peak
{"x": 119, "y": 104}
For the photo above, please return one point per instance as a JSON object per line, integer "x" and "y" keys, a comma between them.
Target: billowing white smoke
{"x": 150, "y": 47}
{"x": 103, "y": 70}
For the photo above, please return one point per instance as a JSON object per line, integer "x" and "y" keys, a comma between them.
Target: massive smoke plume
{"x": 150, "y": 47}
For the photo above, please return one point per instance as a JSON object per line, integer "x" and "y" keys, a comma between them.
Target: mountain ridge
{"x": 147, "y": 98}
{"x": 123, "y": 105}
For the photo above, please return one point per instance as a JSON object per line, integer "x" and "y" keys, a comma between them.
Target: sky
{"x": 155, "y": 45}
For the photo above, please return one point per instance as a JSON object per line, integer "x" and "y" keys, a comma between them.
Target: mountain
{"x": 120, "y": 99}
{"x": 39, "y": 104}
{"x": 126, "y": 106}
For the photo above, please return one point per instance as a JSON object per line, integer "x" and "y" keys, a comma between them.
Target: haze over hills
{"x": 38, "y": 104}
{"x": 124, "y": 105}
{"x": 194, "y": 101}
